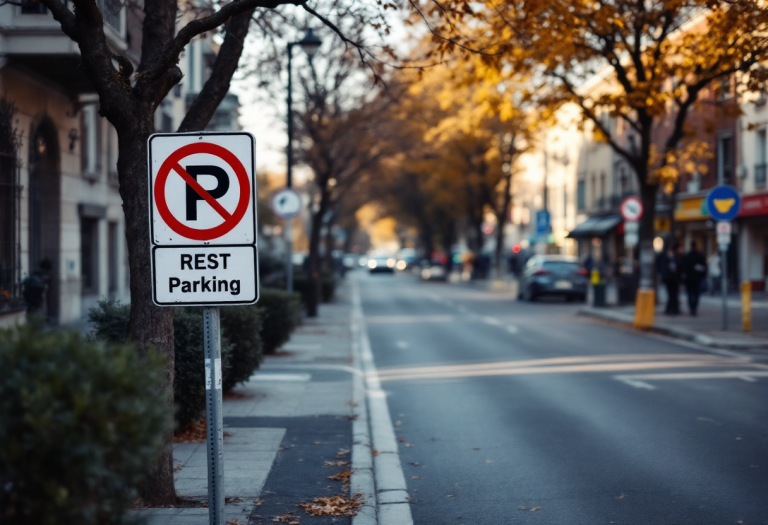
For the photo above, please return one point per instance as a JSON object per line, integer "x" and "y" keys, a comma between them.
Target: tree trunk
{"x": 313, "y": 273}
{"x": 501, "y": 222}
{"x": 647, "y": 221}
{"x": 150, "y": 325}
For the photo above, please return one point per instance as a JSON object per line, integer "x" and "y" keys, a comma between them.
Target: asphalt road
{"x": 513, "y": 412}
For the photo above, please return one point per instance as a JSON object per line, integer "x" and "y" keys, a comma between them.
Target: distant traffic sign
{"x": 542, "y": 222}
{"x": 203, "y": 219}
{"x": 723, "y": 203}
{"x": 286, "y": 203}
{"x": 631, "y": 208}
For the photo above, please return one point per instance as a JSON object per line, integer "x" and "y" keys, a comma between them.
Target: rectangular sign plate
{"x": 204, "y": 275}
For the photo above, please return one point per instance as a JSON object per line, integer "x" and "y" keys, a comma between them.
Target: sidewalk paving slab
{"x": 282, "y": 429}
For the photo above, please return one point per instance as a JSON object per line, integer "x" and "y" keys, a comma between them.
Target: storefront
{"x": 753, "y": 240}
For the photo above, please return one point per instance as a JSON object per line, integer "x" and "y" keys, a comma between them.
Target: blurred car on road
{"x": 381, "y": 264}
{"x": 553, "y": 275}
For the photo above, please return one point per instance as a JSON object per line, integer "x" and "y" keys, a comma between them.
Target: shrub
{"x": 327, "y": 286}
{"x": 280, "y": 315}
{"x": 80, "y": 423}
{"x": 241, "y": 327}
{"x": 110, "y": 320}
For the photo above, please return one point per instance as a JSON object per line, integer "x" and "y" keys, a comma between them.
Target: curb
{"x": 380, "y": 479}
{"x": 678, "y": 333}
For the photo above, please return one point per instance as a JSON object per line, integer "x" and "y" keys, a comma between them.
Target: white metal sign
{"x": 202, "y": 193}
{"x": 724, "y": 232}
{"x": 286, "y": 203}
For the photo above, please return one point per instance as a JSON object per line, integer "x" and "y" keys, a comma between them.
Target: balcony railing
{"x": 760, "y": 175}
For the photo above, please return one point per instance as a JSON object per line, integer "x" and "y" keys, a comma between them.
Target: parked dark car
{"x": 553, "y": 275}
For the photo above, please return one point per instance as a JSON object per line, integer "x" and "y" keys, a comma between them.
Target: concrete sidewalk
{"x": 705, "y": 328}
{"x": 287, "y": 429}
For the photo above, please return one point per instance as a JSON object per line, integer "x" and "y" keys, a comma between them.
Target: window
{"x": 725, "y": 159}
{"x": 593, "y": 190}
{"x": 760, "y": 158}
{"x": 113, "y": 243}
{"x": 89, "y": 255}
{"x": 33, "y": 7}
{"x": 723, "y": 89}
{"x": 581, "y": 195}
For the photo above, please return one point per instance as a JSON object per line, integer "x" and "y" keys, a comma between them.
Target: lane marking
{"x": 491, "y": 321}
{"x": 402, "y": 344}
{"x": 512, "y": 329}
{"x": 394, "y": 508}
{"x": 261, "y": 376}
{"x": 635, "y": 383}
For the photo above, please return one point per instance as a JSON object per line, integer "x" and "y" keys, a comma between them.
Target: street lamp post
{"x": 310, "y": 44}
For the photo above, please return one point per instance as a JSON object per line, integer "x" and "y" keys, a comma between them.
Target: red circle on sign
{"x": 172, "y": 161}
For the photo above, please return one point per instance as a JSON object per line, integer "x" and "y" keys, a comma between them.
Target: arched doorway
{"x": 44, "y": 219}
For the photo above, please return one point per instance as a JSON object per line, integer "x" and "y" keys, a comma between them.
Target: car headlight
{"x": 391, "y": 263}
{"x": 401, "y": 265}
{"x": 371, "y": 264}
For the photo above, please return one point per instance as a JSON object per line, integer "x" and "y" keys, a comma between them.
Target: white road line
{"x": 402, "y": 344}
{"x": 491, "y": 320}
{"x": 512, "y": 329}
{"x": 635, "y": 383}
{"x": 391, "y": 496}
{"x": 748, "y": 379}
{"x": 261, "y": 376}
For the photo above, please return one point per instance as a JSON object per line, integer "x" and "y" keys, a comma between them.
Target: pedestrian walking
{"x": 668, "y": 267}
{"x": 714, "y": 271}
{"x": 694, "y": 269}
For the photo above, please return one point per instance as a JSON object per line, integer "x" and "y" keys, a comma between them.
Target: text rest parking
{"x": 204, "y": 275}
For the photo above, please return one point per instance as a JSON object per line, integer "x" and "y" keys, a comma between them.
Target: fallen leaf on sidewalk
{"x": 374, "y": 452}
{"x": 415, "y": 477}
{"x": 522, "y": 508}
{"x": 317, "y": 442}
{"x": 409, "y": 445}
{"x": 234, "y": 521}
{"x": 194, "y": 433}
{"x": 450, "y": 496}
{"x": 336, "y": 463}
{"x": 333, "y": 506}
{"x": 401, "y": 440}
{"x": 342, "y": 452}
{"x": 352, "y": 417}
{"x": 415, "y": 463}
{"x": 341, "y": 476}
{"x": 398, "y": 423}
{"x": 534, "y": 509}
{"x": 288, "y": 517}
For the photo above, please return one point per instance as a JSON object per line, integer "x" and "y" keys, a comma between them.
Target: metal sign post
{"x": 724, "y": 203}
{"x": 286, "y": 204}
{"x": 213, "y": 414}
{"x": 202, "y": 222}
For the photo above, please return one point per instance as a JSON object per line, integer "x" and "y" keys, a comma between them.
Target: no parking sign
{"x": 202, "y": 192}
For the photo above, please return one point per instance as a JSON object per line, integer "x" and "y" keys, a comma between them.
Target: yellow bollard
{"x": 644, "y": 307}
{"x": 746, "y": 305}
{"x": 595, "y": 276}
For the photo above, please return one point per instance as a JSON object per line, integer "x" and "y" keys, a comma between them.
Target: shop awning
{"x": 595, "y": 226}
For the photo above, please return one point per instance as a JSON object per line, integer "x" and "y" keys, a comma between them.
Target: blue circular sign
{"x": 723, "y": 203}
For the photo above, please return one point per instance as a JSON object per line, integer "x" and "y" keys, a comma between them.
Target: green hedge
{"x": 301, "y": 286}
{"x": 242, "y": 326}
{"x": 280, "y": 315}
{"x": 240, "y": 348}
{"x": 80, "y": 422}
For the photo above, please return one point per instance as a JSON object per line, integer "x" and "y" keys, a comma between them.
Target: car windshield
{"x": 560, "y": 266}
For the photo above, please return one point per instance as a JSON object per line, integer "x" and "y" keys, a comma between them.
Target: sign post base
{"x": 213, "y": 414}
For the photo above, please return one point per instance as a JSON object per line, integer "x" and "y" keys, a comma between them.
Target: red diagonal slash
{"x": 201, "y": 191}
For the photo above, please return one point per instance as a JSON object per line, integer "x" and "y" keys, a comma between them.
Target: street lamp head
{"x": 310, "y": 43}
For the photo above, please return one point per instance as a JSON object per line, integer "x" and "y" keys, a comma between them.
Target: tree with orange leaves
{"x": 658, "y": 58}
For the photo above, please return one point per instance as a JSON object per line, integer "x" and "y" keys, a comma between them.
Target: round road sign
{"x": 723, "y": 203}
{"x": 230, "y": 220}
{"x": 631, "y": 208}
{"x": 286, "y": 203}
